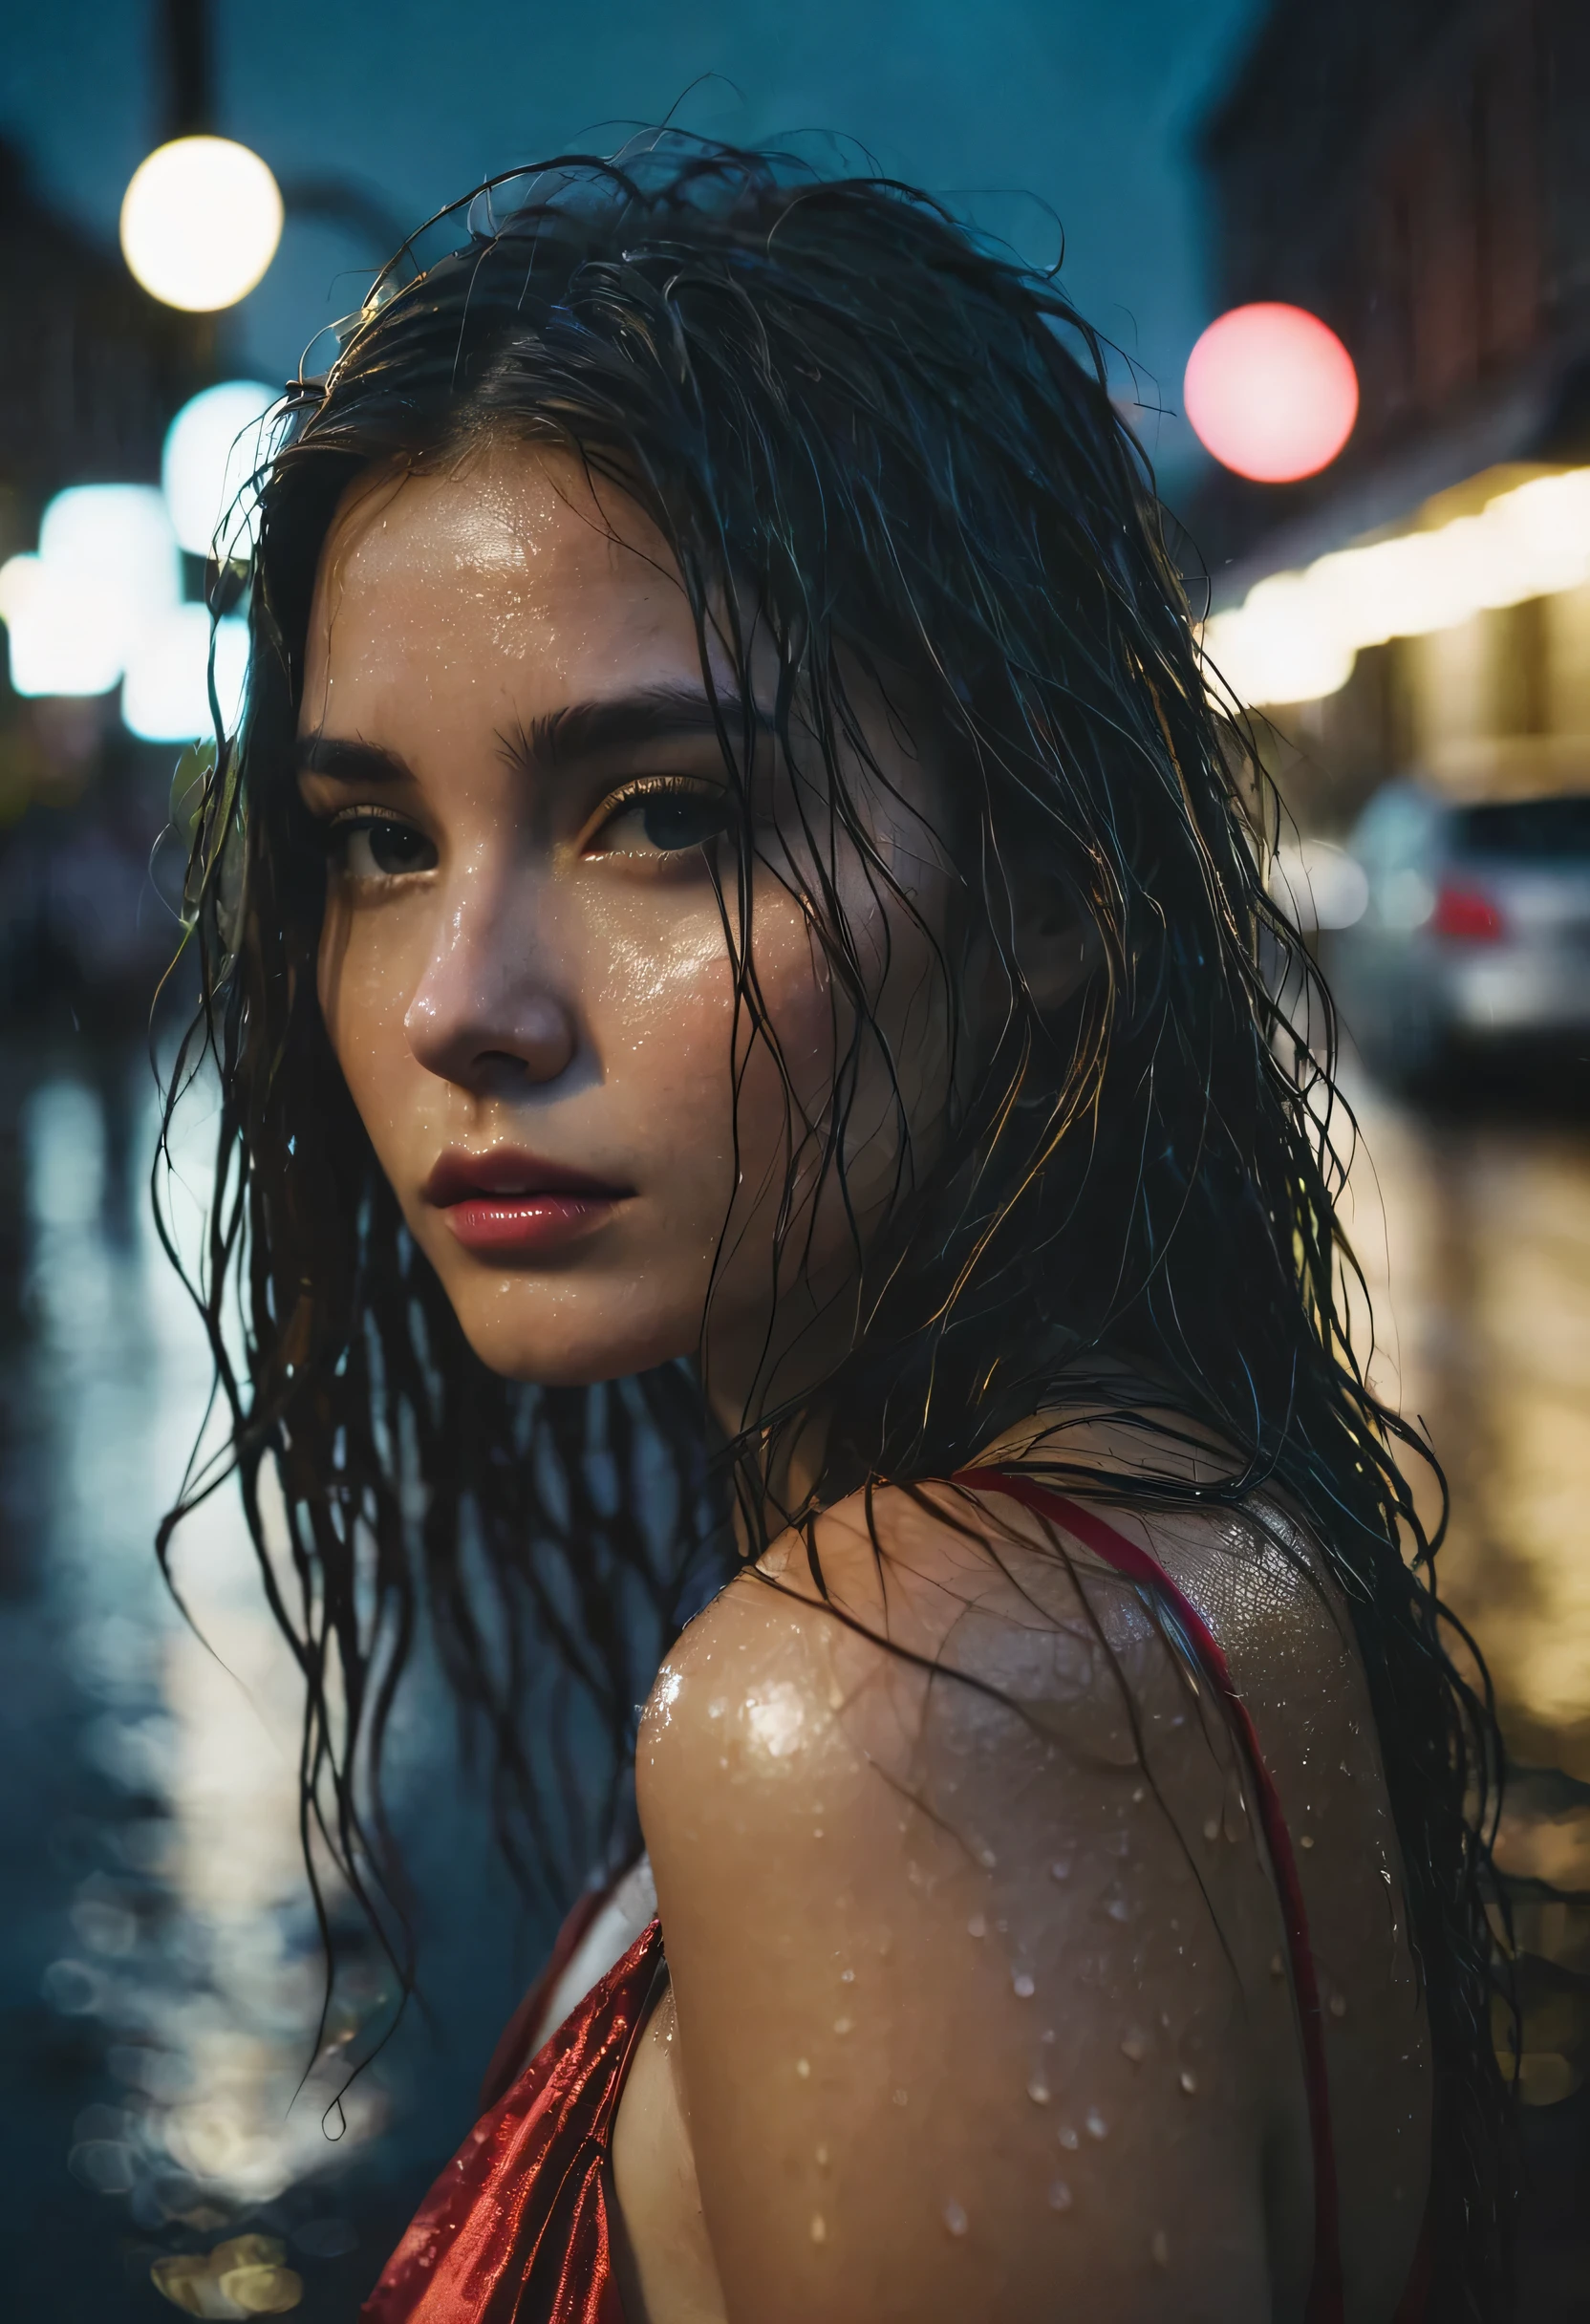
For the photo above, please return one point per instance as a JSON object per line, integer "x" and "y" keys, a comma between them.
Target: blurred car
{"x": 1475, "y": 929}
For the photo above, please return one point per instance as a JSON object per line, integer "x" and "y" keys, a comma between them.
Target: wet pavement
{"x": 1471, "y": 1218}
{"x": 159, "y": 1968}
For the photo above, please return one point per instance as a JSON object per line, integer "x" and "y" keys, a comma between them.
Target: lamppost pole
{"x": 188, "y": 53}
{"x": 189, "y": 68}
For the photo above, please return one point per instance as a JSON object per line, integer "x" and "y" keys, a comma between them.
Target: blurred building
{"x": 1417, "y": 172}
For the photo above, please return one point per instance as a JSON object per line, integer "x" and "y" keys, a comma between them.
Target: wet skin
{"x": 972, "y": 2015}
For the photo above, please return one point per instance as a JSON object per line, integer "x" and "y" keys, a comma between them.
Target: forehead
{"x": 506, "y": 576}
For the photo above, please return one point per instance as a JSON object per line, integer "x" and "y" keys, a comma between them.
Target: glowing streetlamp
{"x": 1271, "y": 391}
{"x": 200, "y": 223}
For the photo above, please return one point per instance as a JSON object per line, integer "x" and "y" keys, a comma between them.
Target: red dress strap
{"x": 516, "y": 2231}
{"x": 1325, "y": 2295}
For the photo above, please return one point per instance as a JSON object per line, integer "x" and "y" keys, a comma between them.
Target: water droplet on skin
{"x": 977, "y": 1925}
{"x": 1211, "y": 1827}
{"x": 900, "y": 2097}
{"x": 1094, "y": 2123}
{"x": 841, "y": 2025}
{"x": 819, "y": 2228}
{"x": 1135, "y": 2048}
{"x": 1159, "y": 2247}
{"x": 1038, "y": 2090}
{"x": 1060, "y": 1868}
{"x": 1060, "y": 2196}
{"x": 956, "y": 2219}
{"x": 817, "y": 1834}
{"x": 1189, "y": 2080}
{"x": 821, "y": 2158}
{"x": 847, "y": 1976}
{"x": 1023, "y": 1987}
{"x": 1068, "y": 2139}
{"x": 987, "y": 1859}
{"x": 1338, "y": 2005}
{"x": 803, "y": 2067}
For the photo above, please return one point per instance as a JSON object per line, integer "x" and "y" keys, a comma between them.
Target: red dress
{"x": 517, "y": 2231}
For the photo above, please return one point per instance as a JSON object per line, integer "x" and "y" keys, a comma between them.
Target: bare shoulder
{"x": 960, "y": 1977}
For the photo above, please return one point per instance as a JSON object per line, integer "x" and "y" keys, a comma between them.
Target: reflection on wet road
{"x": 162, "y": 1973}
{"x": 1474, "y": 1235}
{"x": 1473, "y": 1227}
{"x": 159, "y": 1968}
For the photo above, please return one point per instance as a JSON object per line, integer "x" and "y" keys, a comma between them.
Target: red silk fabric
{"x": 516, "y": 2231}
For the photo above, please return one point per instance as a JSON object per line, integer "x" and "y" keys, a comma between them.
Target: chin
{"x": 549, "y": 1341}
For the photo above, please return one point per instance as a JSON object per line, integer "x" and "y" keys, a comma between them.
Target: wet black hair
{"x": 884, "y": 446}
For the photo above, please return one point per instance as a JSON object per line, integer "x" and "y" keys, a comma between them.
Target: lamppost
{"x": 202, "y": 214}
{"x": 106, "y": 600}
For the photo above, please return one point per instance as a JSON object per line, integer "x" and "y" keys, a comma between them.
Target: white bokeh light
{"x": 212, "y": 450}
{"x": 200, "y": 223}
{"x": 165, "y": 692}
{"x": 106, "y": 572}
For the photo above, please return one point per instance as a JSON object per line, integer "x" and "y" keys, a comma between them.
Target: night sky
{"x": 1030, "y": 117}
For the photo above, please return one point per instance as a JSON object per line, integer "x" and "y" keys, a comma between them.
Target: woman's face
{"x": 523, "y": 964}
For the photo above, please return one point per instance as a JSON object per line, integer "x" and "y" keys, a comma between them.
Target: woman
{"x": 733, "y": 943}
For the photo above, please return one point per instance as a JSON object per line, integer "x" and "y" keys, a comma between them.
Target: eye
{"x": 664, "y": 819}
{"x": 368, "y": 845}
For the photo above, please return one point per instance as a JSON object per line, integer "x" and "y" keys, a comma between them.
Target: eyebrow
{"x": 347, "y": 760}
{"x": 606, "y": 727}
{"x": 557, "y": 740}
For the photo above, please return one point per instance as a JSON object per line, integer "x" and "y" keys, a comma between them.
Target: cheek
{"x": 368, "y": 965}
{"x": 661, "y": 1014}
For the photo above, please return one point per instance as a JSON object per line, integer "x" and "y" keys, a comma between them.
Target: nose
{"x": 487, "y": 1011}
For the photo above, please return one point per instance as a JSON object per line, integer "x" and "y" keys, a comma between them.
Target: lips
{"x": 509, "y": 1202}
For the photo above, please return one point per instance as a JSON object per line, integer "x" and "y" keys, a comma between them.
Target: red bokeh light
{"x": 1467, "y": 914}
{"x": 1271, "y": 391}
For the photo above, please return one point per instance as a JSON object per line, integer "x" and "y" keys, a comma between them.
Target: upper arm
{"x": 958, "y": 2029}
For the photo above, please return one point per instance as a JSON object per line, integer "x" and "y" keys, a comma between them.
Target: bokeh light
{"x": 1296, "y": 636}
{"x": 1271, "y": 391}
{"x": 106, "y": 572}
{"x": 165, "y": 692}
{"x": 212, "y": 450}
{"x": 200, "y": 223}
{"x": 101, "y": 599}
